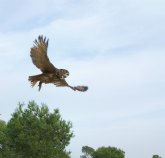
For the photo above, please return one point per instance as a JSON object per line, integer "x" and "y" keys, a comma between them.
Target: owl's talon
{"x": 39, "y": 85}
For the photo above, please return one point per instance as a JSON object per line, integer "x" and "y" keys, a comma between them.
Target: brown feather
{"x": 60, "y": 82}
{"x": 81, "y": 88}
{"x": 39, "y": 56}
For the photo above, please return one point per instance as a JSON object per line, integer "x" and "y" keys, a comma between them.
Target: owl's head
{"x": 64, "y": 73}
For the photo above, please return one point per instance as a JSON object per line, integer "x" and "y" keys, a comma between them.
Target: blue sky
{"x": 115, "y": 47}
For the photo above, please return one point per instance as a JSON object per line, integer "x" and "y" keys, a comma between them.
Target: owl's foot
{"x": 39, "y": 85}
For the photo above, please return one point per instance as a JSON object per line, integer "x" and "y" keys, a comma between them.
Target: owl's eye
{"x": 67, "y": 74}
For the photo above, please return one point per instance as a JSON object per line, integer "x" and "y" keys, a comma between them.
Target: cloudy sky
{"x": 116, "y": 47}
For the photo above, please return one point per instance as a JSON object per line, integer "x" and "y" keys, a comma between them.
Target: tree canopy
{"x": 88, "y": 152}
{"x": 156, "y": 156}
{"x": 34, "y": 132}
{"x": 3, "y": 139}
{"x": 102, "y": 152}
{"x": 109, "y": 152}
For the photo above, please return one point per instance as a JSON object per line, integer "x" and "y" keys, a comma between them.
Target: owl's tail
{"x": 35, "y": 79}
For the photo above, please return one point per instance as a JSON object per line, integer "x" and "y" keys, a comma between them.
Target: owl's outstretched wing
{"x": 39, "y": 55}
{"x": 63, "y": 83}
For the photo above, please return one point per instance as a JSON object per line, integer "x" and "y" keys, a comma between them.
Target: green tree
{"x": 4, "y": 145}
{"x": 34, "y": 132}
{"x": 2, "y": 133}
{"x": 88, "y": 152}
{"x": 156, "y": 156}
{"x": 102, "y": 152}
{"x": 2, "y": 138}
{"x": 109, "y": 152}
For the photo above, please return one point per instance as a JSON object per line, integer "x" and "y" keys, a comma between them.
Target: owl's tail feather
{"x": 35, "y": 79}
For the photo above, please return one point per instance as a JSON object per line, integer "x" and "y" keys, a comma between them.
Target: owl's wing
{"x": 60, "y": 83}
{"x": 39, "y": 55}
{"x": 63, "y": 83}
{"x": 81, "y": 88}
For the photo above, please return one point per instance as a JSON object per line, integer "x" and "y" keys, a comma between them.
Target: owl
{"x": 50, "y": 73}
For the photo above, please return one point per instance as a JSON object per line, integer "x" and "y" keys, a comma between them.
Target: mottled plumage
{"x": 50, "y": 74}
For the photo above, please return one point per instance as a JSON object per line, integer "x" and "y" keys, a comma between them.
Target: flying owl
{"x": 50, "y": 74}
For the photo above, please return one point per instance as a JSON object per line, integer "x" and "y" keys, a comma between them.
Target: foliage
{"x": 88, "y": 152}
{"x": 2, "y": 138}
{"x": 156, "y": 156}
{"x": 109, "y": 152}
{"x": 102, "y": 152}
{"x": 2, "y": 132}
{"x": 34, "y": 132}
